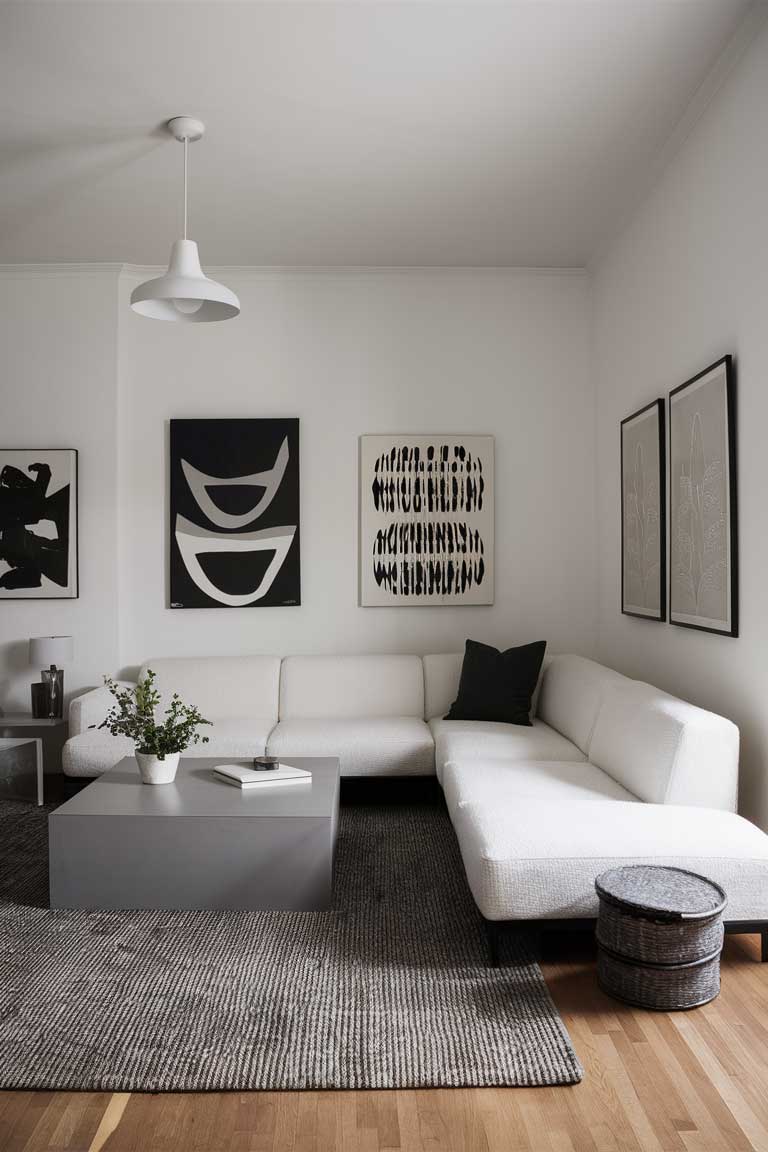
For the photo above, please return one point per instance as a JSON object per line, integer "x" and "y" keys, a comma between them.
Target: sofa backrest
{"x": 572, "y": 689}
{"x": 344, "y": 687}
{"x": 221, "y": 687}
{"x": 441, "y": 683}
{"x": 664, "y": 750}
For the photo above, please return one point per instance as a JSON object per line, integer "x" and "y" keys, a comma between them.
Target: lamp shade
{"x": 184, "y": 293}
{"x": 47, "y": 650}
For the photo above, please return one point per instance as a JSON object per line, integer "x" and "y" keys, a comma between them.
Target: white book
{"x": 242, "y": 777}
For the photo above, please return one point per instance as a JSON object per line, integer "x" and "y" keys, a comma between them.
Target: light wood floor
{"x": 695, "y": 1082}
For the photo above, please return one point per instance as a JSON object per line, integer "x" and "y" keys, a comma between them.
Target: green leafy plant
{"x": 134, "y": 716}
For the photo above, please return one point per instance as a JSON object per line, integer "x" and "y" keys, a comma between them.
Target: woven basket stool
{"x": 659, "y": 936}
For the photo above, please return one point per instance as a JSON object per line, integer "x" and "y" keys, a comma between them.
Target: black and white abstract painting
{"x": 38, "y": 524}
{"x": 234, "y": 509}
{"x": 426, "y": 520}
{"x": 703, "y": 587}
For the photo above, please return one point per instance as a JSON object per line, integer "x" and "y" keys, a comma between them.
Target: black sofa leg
{"x": 764, "y": 945}
{"x": 493, "y": 932}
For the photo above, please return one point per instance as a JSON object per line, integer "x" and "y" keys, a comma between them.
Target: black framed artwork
{"x": 234, "y": 513}
{"x": 38, "y": 524}
{"x": 643, "y": 519}
{"x": 703, "y": 586}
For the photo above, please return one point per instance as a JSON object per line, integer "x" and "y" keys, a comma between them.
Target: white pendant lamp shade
{"x": 184, "y": 293}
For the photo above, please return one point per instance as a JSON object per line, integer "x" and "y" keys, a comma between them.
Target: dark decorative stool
{"x": 659, "y": 936}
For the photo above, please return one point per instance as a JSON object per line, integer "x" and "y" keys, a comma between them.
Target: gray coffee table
{"x": 196, "y": 843}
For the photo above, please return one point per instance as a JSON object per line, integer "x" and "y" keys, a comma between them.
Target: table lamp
{"x": 52, "y": 650}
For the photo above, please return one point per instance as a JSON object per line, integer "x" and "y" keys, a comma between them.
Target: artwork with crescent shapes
{"x": 234, "y": 513}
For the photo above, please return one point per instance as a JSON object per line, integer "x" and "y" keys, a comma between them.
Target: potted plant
{"x": 158, "y": 745}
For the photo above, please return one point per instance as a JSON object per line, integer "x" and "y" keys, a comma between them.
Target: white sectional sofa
{"x": 611, "y": 771}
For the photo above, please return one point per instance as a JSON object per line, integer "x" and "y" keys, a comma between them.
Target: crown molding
{"x": 14, "y": 271}
{"x": 257, "y": 271}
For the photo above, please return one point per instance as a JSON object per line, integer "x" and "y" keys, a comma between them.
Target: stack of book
{"x": 242, "y": 777}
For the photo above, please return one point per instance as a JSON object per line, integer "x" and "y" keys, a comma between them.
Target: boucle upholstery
{"x": 88, "y": 711}
{"x": 571, "y": 694}
{"x": 384, "y": 746}
{"x": 483, "y": 739}
{"x": 526, "y": 859}
{"x": 230, "y": 687}
{"x": 93, "y": 752}
{"x": 351, "y": 687}
{"x": 664, "y": 750}
{"x": 555, "y": 783}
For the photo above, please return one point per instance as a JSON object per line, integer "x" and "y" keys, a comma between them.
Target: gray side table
{"x": 7, "y": 744}
{"x": 20, "y": 728}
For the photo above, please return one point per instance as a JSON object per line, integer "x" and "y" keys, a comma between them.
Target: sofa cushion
{"x": 557, "y": 783}
{"x": 387, "y": 746}
{"x": 571, "y": 694}
{"x": 222, "y": 688}
{"x": 241, "y": 737}
{"x": 313, "y": 687}
{"x": 442, "y": 672}
{"x": 89, "y": 709}
{"x": 664, "y": 750}
{"x": 441, "y": 682}
{"x": 481, "y": 739}
{"x": 93, "y": 752}
{"x": 533, "y": 860}
{"x": 498, "y": 686}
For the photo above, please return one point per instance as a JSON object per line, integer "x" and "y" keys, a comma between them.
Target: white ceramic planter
{"x": 155, "y": 770}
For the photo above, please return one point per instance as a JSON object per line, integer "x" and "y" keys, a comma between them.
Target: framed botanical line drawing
{"x": 38, "y": 524}
{"x": 703, "y": 590}
{"x": 426, "y": 520}
{"x": 643, "y": 520}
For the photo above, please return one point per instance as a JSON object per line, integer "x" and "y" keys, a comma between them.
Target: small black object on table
{"x": 659, "y": 936}
{"x": 266, "y": 763}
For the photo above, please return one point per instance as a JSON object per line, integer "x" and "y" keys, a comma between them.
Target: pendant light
{"x": 184, "y": 293}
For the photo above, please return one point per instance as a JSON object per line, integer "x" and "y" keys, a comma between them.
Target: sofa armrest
{"x": 90, "y": 709}
{"x": 705, "y": 772}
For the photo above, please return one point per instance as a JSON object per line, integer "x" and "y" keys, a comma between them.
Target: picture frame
{"x": 643, "y": 513}
{"x": 426, "y": 533}
{"x": 39, "y": 545}
{"x": 234, "y": 513}
{"x": 703, "y": 585}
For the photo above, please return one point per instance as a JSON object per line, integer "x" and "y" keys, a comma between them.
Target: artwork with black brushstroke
{"x": 38, "y": 524}
{"x": 234, "y": 513}
{"x": 426, "y": 514}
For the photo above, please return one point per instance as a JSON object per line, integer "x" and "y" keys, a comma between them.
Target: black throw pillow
{"x": 498, "y": 685}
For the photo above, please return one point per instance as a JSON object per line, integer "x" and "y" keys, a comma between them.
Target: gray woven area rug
{"x": 390, "y": 989}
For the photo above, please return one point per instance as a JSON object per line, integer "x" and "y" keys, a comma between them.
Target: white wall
{"x": 349, "y": 353}
{"x": 686, "y": 283}
{"x": 362, "y": 352}
{"x": 58, "y": 334}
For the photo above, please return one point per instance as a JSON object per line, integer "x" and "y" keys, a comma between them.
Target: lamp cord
{"x": 186, "y": 142}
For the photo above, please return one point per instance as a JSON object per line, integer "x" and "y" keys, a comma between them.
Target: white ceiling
{"x": 358, "y": 133}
